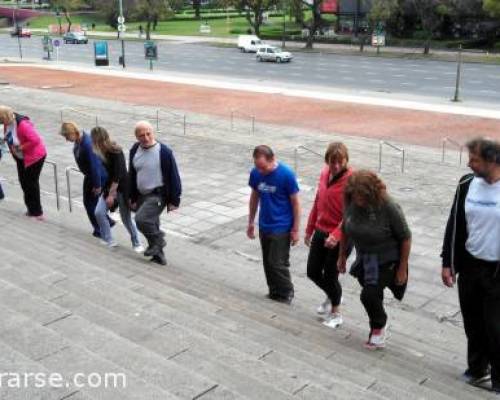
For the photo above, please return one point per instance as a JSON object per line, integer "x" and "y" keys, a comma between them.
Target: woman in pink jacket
{"x": 27, "y": 147}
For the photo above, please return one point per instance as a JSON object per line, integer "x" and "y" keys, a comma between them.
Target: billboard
{"x": 330, "y": 6}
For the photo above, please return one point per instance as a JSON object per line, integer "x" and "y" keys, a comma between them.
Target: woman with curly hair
{"x": 379, "y": 231}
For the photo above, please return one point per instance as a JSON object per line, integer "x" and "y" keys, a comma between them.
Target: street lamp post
{"x": 121, "y": 29}
{"x": 284, "y": 23}
{"x": 16, "y": 27}
{"x": 456, "y": 97}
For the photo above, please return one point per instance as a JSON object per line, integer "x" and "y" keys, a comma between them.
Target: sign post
{"x": 150, "y": 52}
{"x": 48, "y": 45}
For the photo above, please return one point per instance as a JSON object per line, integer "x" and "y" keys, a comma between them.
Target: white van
{"x": 249, "y": 43}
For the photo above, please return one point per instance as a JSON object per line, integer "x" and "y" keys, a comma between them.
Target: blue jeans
{"x": 101, "y": 214}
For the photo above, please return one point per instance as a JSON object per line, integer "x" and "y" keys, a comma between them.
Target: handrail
{"x": 460, "y": 147}
{"x": 79, "y": 112}
{"x": 68, "y": 185}
{"x": 296, "y": 156}
{"x": 400, "y": 149}
{"x": 56, "y": 183}
{"x": 170, "y": 113}
{"x": 236, "y": 112}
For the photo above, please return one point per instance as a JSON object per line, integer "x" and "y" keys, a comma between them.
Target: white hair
{"x": 144, "y": 124}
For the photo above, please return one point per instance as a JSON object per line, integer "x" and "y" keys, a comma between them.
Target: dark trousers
{"x": 29, "y": 178}
{"x": 479, "y": 295}
{"x": 322, "y": 267}
{"x": 372, "y": 296}
{"x": 147, "y": 219}
{"x": 276, "y": 259}
{"x": 90, "y": 202}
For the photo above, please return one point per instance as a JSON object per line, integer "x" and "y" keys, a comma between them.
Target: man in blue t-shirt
{"x": 275, "y": 189}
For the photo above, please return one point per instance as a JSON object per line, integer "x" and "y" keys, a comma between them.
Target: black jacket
{"x": 172, "y": 188}
{"x": 456, "y": 234}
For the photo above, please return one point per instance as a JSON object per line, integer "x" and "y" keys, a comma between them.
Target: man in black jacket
{"x": 154, "y": 184}
{"x": 471, "y": 249}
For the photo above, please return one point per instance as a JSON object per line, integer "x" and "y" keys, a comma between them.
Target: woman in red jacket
{"x": 28, "y": 150}
{"x": 323, "y": 232}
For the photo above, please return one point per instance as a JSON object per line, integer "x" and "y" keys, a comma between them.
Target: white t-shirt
{"x": 482, "y": 212}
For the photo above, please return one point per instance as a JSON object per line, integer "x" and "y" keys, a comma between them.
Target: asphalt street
{"x": 435, "y": 79}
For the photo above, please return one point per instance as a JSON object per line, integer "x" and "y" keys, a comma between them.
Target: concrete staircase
{"x": 197, "y": 329}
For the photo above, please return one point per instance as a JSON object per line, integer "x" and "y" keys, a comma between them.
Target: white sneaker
{"x": 324, "y": 307}
{"x": 376, "y": 341}
{"x": 111, "y": 244}
{"x": 334, "y": 320}
{"x": 139, "y": 248}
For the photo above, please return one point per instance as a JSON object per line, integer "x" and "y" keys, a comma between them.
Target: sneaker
{"x": 155, "y": 249}
{"x": 111, "y": 244}
{"x": 139, "y": 248}
{"x": 334, "y": 320}
{"x": 476, "y": 380}
{"x": 376, "y": 339}
{"x": 324, "y": 307}
{"x": 39, "y": 218}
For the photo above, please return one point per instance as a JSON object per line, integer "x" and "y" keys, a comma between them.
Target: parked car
{"x": 249, "y": 43}
{"x": 272, "y": 53}
{"x": 75, "y": 38}
{"x": 21, "y": 32}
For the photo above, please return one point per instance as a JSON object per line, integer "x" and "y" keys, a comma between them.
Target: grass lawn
{"x": 219, "y": 27}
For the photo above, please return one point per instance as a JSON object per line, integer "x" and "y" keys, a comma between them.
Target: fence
{"x": 456, "y": 144}
{"x": 392, "y": 146}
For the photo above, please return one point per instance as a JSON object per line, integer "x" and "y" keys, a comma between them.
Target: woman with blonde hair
{"x": 115, "y": 191}
{"x": 379, "y": 231}
{"x": 28, "y": 150}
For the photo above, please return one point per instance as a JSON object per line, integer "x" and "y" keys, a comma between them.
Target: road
{"x": 432, "y": 79}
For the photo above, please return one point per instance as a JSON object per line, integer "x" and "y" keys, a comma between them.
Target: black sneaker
{"x": 159, "y": 259}
{"x": 154, "y": 249}
{"x": 476, "y": 380}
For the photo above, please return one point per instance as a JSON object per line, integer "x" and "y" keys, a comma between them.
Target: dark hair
{"x": 487, "y": 149}
{"x": 368, "y": 185}
{"x": 336, "y": 151}
{"x": 263, "y": 151}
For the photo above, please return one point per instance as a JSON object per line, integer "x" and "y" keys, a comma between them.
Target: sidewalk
{"x": 342, "y": 113}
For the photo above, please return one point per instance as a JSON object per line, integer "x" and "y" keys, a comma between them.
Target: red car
{"x": 21, "y": 32}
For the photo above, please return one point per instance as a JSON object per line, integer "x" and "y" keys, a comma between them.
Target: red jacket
{"x": 328, "y": 209}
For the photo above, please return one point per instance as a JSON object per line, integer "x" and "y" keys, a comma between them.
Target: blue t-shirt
{"x": 275, "y": 189}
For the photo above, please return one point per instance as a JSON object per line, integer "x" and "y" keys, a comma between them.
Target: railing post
{"x": 62, "y": 119}
{"x": 381, "y": 144}
{"x": 232, "y": 120}
{"x": 253, "y": 124}
{"x": 68, "y": 187}
{"x": 184, "y": 124}
{"x": 296, "y": 160}
{"x": 96, "y": 121}
{"x": 403, "y": 162}
{"x": 157, "y": 120}
{"x": 444, "y": 150}
{"x": 56, "y": 183}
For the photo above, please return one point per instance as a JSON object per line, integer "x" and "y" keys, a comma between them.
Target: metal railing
{"x": 296, "y": 156}
{"x": 56, "y": 182}
{"x": 394, "y": 147}
{"x": 235, "y": 113}
{"x": 456, "y": 144}
{"x": 68, "y": 185}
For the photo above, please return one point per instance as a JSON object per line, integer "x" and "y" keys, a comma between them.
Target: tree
{"x": 67, "y": 6}
{"x": 382, "y": 11}
{"x": 431, "y": 14}
{"x": 315, "y": 22}
{"x": 197, "y": 8}
{"x": 254, "y": 11}
{"x": 492, "y": 7}
{"x": 150, "y": 11}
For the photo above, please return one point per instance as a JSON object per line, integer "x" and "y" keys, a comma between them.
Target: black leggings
{"x": 29, "y": 179}
{"x": 322, "y": 267}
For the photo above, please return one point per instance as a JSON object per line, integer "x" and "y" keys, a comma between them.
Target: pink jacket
{"x": 31, "y": 142}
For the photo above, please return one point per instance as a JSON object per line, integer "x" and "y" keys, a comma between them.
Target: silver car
{"x": 273, "y": 53}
